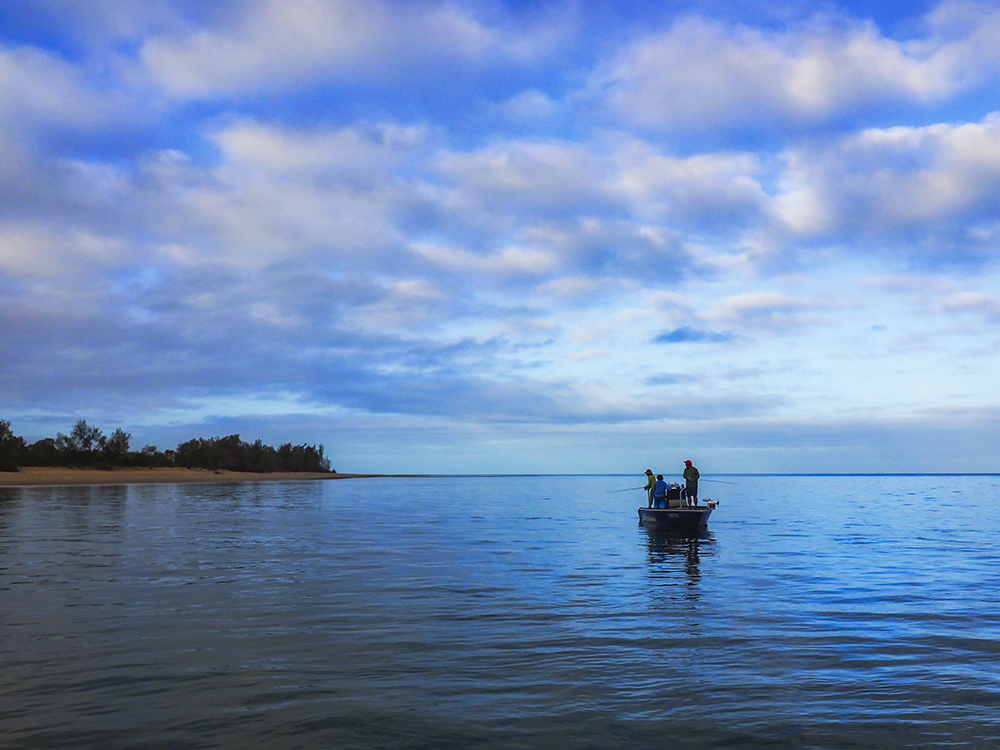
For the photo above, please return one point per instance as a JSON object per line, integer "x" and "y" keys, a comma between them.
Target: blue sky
{"x": 521, "y": 237}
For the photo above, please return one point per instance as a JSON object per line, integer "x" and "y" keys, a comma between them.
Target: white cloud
{"x": 277, "y": 43}
{"x": 542, "y": 177}
{"x": 767, "y": 310}
{"x": 528, "y": 108}
{"x": 699, "y": 190}
{"x": 897, "y": 184}
{"x": 986, "y": 305}
{"x": 32, "y": 251}
{"x": 279, "y": 193}
{"x": 39, "y": 90}
{"x": 702, "y": 73}
{"x": 408, "y": 307}
{"x": 581, "y": 287}
{"x": 510, "y": 260}
{"x": 274, "y": 43}
{"x": 350, "y": 153}
{"x": 611, "y": 196}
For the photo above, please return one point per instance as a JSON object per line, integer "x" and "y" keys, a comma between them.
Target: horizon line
{"x": 637, "y": 474}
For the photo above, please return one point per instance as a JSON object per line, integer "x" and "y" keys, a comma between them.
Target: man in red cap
{"x": 691, "y": 476}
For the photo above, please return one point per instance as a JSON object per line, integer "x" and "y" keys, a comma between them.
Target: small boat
{"x": 693, "y": 517}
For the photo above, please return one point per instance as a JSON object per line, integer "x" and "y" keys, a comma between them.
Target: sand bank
{"x": 38, "y": 475}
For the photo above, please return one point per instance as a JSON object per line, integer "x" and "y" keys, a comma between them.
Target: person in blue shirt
{"x": 660, "y": 492}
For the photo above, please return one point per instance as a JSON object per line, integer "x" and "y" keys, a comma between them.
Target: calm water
{"x": 817, "y": 612}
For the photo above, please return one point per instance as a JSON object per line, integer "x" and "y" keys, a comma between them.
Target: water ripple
{"x": 818, "y": 612}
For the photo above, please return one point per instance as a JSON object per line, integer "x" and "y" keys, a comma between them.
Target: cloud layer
{"x": 497, "y": 226}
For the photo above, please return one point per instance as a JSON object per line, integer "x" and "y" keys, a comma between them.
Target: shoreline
{"x": 37, "y": 476}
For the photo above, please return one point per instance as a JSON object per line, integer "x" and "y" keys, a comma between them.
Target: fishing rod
{"x": 629, "y": 489}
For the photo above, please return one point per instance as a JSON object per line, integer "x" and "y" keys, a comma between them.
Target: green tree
{"x": 86, "y": 438}
{"x": 116, "y": 447}
{"x": 11, "y": 448}
{"x": 42, "y": 453}
{"x": 81, "y": 445}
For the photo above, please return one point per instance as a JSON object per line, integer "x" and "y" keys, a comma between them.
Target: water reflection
{"x": 679, "y": 552}
{"x": 9, "y": 497}
{"x": 8, "y": 504}
{"x": 279, "y": 615}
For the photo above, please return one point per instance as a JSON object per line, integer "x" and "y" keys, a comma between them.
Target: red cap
{"x": 688, "y": 463}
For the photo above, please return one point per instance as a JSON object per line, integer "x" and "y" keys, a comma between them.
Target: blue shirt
{"x": 660, "y": 488}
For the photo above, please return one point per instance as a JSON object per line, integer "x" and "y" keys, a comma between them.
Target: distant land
{"x": 57, "y": 475}
{"x": 87, "y": 447}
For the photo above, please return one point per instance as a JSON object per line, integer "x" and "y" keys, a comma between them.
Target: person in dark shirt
{"x": 691, "y": 477}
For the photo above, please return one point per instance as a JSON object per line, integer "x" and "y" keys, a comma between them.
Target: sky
{"x": 508, "y": 237}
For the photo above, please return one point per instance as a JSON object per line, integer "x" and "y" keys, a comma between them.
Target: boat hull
{"x": 675, "y": 518}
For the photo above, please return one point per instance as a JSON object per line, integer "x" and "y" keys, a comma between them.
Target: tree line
{"x": 87, "y": 446}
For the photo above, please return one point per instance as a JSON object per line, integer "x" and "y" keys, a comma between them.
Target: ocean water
{"x": 500, "y": 612}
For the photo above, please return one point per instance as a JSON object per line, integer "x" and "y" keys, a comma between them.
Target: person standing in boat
{"x": 691, "y": 477}
{"x": 660, "y": 492}
{"x": 650, "y": 481}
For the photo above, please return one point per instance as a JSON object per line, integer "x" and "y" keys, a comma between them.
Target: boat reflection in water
{"x": 677, "y": 556}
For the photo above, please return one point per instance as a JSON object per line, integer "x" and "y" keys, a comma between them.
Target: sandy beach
{"x": 37, "y": 475}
